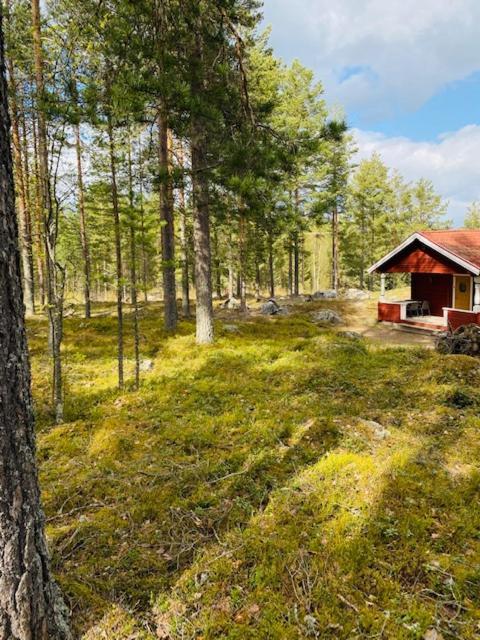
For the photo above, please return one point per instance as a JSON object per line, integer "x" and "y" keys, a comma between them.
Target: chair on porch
{"x": 414, "y": 309}
{"x": 425, "y": 309}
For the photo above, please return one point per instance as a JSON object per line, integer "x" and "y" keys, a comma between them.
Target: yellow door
{"x": 463, "y": 292}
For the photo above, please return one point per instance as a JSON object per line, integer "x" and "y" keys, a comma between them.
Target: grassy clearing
{"x": 238, "y": 494}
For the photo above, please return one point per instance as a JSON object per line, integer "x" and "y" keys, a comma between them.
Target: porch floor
{"x": 436, "y": 320}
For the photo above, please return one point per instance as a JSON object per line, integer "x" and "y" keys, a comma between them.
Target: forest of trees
{"x": 158, "y": 150}
{"x": 162, "y": 145}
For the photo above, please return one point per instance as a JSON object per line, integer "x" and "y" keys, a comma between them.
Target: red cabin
{"x": 445, "y": 279}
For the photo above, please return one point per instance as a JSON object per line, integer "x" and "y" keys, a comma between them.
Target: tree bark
{"x": 83, "y": 224}
{"x": 168, "y": 227}
{"x": 184, "y": 240}
{"x": 54, "y": 276}
{"x": 290, "y": 266}
{"x": 217, "y": 264}
{"x": 22, "y": 201}
{"x": 200, "y": 188}
{"x": 38, "y": 217}
{"x": 143, "y": 234}
{"x": 31, "y": 606}
{"x": 335, "y": 248}
{"x": 242, "y": 236}
{"x": 271, "y": 266}
{"x": 118, "y": 250}
{"x": 133, "y": 270}
{"x": 29, "y": 200}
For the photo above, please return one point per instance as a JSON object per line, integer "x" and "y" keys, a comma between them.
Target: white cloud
{"x": 397, "y": 53}
{"x": 451, "y": 162}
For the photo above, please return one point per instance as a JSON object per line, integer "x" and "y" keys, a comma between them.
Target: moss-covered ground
{"x": 239, "y": 495}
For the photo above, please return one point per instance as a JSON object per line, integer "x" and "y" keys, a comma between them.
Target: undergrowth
{"x": 243, "y": 492}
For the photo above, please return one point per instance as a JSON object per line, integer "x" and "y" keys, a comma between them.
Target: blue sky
{"x": 407, "y": 73}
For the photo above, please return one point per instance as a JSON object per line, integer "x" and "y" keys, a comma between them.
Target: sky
{"x": 407, "y": 74}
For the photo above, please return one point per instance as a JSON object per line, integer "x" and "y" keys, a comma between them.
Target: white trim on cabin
{"x": 444, "y": 252}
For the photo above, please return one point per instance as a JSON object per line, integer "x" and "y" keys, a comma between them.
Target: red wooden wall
{"x": 420, "y": 259}
{"x": 435, "y": 288}
{"x": 388, "y": 312}
{"x": 458, "y": 318}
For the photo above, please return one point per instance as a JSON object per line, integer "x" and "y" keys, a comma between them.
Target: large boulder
{"x": 232, "y": 304}
{"x": 327, "y": 316}
{"x": 270, "y": 308}
{"x": 329, "y": 294}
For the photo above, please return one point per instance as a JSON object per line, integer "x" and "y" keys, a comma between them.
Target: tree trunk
{"x": 22, "y": 201}
{"x": 184, "y": 240}
{"x": 31, "y": 606}
{"x": 201, "y": 218}
{"x": 143, "y": 236}
{"x": 29, "y": 200}
{"x": 54, "y": 277}
{"x": 231, "y": 269}
{"x": 38, "y": 218}
{"x": 296, "y": 265}
{"x": 83, "y": 224}
{"x": 118, "y": 250}
{"x": 271, "y": 266}
{"x": 296, "y": 247}
{"x": 290, "y": 267}
{"x": 218, "y": 268}
{"x": 242, "y": 233}
{"x": 133, "y": 270}
{"x": 335, "y": 248}
{"x": 167, "y": 222}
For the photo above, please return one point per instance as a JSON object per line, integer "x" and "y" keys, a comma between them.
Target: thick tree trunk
{"x": 118, "y": 251}
{"x": 31, "y": 606}
{"x": 168, "y": 227}
{"x": 200, "y": 187}
{"x": 184, "y": 241}
{"x": 335, "y": 248}
{"x": 83, "y": 224}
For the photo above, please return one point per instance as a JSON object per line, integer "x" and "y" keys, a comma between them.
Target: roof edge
{"x": 469, "y": 266}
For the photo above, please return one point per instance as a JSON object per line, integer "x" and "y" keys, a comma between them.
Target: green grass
{"x": 238, "y": 495}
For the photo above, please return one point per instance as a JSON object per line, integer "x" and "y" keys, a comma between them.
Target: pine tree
{"x": 31, "y": 605}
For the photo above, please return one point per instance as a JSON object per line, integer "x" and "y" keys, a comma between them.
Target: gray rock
{"x": 327, "y": 315}
{"x": 233, "y": 304}
{"x": 328, "y": 294}
{"x": 283, "y": 311}
{"x": 146, "y": 365}
{"x": 356, "y": 294}
{"x": 231, "y": 328}
{"x": 351, "y": 335}
{"x": 270, "y": 308}
{"x": 377, "y": 430}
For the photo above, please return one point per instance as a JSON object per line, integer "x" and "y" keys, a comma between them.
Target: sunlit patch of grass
{"x": 239, "y": 494}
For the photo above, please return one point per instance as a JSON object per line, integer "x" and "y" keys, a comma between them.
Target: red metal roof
{"x": 464, "y": 243}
